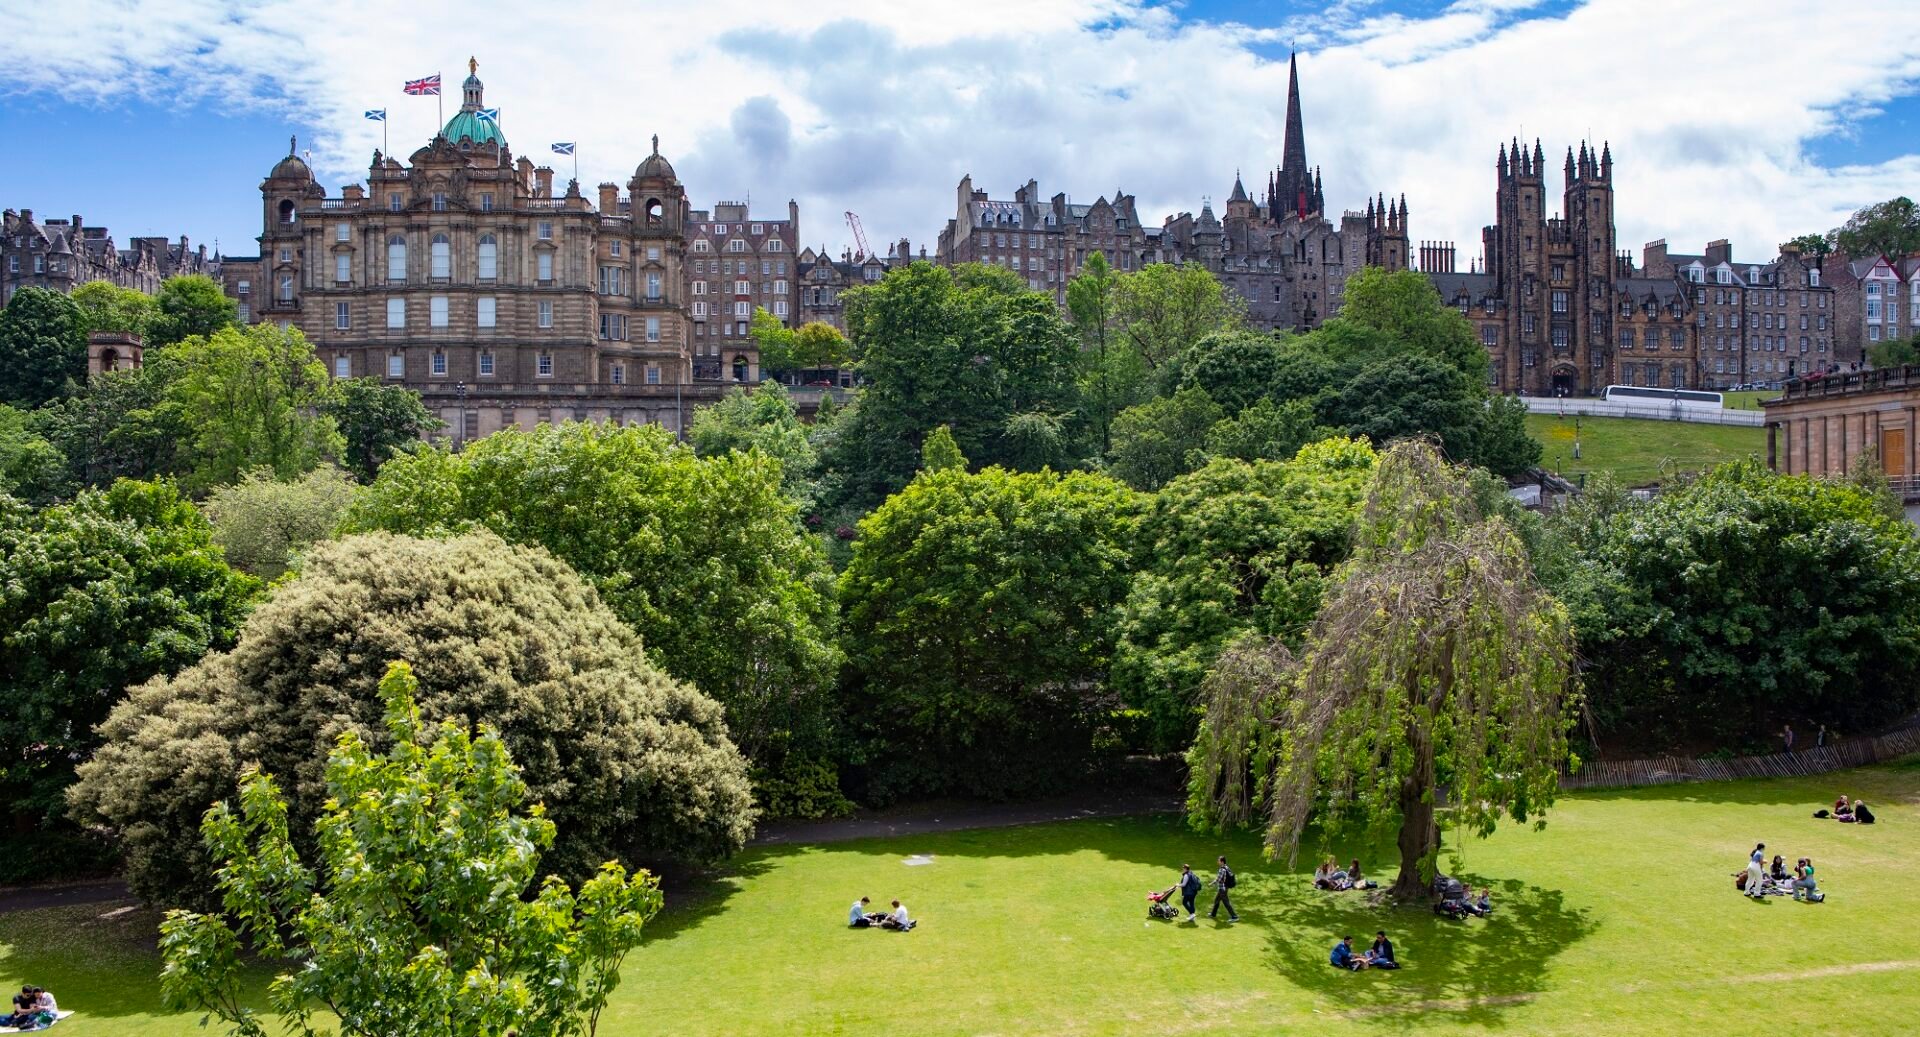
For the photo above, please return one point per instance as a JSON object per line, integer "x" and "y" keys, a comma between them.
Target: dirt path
{"x": 955, "y": 816}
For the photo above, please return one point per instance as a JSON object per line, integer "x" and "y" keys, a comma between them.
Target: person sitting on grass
{"x": 23, "y": 1009}
{"x": 1344, "y": 958}
{"x": 1861, "y": 814}
{"x": 46, "y": 1001}
{"x": 858, "y": 918}
{"x": 1842, "y": 810}
{"x": 1804, "y": 887}
{"x": 1354, "y": 879}
{"x": 1777, "y": 871}
{"x": 1323, "y": 875}
{"x": 1481, "y": 905}
{"x": 898, "y": 920}
{"x": 1380, "y": 956}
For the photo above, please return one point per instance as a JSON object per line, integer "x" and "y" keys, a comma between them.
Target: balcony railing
{"x": 1852, "y": 382}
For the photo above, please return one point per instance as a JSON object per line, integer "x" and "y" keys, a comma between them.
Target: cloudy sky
{"x": 1747, "y": 119}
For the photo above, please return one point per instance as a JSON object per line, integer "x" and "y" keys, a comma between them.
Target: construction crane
{"x": 859, "y": 235}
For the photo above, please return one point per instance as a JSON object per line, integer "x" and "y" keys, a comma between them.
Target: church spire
{"x": 1295, "y": 187}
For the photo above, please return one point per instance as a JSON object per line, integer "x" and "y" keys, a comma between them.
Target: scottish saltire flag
{"x": 377, "y": 114}
{"x": 428, "y": 87}
{"x": 491, "y": 115}
{"x": 563, "y": 149}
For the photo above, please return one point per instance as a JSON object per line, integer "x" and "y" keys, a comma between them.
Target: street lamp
{"x": 460, "y": 393}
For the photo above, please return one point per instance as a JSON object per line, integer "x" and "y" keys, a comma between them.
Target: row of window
{"x": 739, "y": 245}
{"x": 484, "y": 367}
{"x": 743, "y": 288}
{"x": 485, "y": 312}
{"x": 1676, "y": 338}
{"x": 768, "y": 267}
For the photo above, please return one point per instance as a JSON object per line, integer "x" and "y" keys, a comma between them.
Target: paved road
{"x": 33, "y": 898}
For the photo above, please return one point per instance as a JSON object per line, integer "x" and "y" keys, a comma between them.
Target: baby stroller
{"x": 1160, "y": 905}
{"x": 1453, "y": 897}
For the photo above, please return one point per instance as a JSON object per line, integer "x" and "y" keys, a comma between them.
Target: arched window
{"x": 286, "y": 212}
{"x": 654, "y": 210}
{"x": 739, "y": 369}
{"x": 489, "y": 258}
{"x": 442, "y": 256}
{"x": 397, "y": 258}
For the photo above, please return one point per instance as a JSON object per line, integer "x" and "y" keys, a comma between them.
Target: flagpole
{"x": 440, "y": 100}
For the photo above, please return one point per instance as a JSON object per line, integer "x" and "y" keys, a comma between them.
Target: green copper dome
{"x": 467, "y": 123}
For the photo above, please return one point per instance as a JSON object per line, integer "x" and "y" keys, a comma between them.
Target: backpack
{"x": 1740, "y": 880}
{"x": 1822, "y": 813}
{"x": 1231, "y": 880}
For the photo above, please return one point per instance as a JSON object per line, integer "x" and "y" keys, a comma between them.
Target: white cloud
{"x": 881, "y": 107}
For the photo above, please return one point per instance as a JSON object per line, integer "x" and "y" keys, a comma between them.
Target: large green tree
{"x": 421, "y": 917}
{"x": 97, "y": 596}
{"x": 810, "y": 346}
{"x": 761, "y": 418}
{"x": 704, "y": 556}
{"x": 1163, "y": 308}
{"x": 980, "y": 616}
{"x": 254, "y": 397}
{"x": 118, "y": 426}
{"x": 377, "y": 420}
{"x": 1437, "y": 661}
{"x": 1163, "y": 439}
{"x": 263, "y": 524}
{"x": 972, "y": 348}
{"x": 1230, "y": 550}
{"x": 1890, "y": 228}
{"x": 31, "y": 468}
{"x": 43, "y": 347}
{"x": 190, "y": 305}
{"x": 105, "y": 306}
{"x": 631, "y": 764}
{"x": 1730, "y": 603}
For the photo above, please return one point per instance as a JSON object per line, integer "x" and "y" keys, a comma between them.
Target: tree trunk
{"x": 1419, "y": 837}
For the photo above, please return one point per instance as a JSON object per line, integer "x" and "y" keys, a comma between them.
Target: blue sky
{"x": 1747, "y": 119}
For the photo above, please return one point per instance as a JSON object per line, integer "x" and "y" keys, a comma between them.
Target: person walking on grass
{"x": 1189, "y": 891}
{"x": 1786, "y": 736}
{"x": 1756, "y": 872}
{"x": 1224, "y": 880}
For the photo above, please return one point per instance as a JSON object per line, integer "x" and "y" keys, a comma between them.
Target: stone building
{"x": 1757, "y": 322}
{"x": 63, "y": 254}
{"x": 822, "y": 281}
{"x": 461, "y": 273}
{"x": 736, "y": 264}
{"x": 1281, "y": 254}
{"x": 1819, "y": 426}
{"x": 1876, "y": 299}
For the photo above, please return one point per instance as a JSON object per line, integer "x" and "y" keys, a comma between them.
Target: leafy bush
{"x": 979, "y": 619}
{"x": 630, "y": 763}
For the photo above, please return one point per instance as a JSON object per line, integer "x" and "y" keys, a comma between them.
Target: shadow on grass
{"x": 101, "y": 960}
{"x": 1469, "y": 971}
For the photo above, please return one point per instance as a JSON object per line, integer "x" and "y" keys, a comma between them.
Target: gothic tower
{"x": 1294, "y": 189}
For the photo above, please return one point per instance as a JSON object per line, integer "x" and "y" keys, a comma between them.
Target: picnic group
{"x": 1762, "y": 879}
{"x": 33, "y": 1009}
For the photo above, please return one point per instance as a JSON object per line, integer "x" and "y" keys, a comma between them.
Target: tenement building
{"x": 461, "y": 273}
{"x": 1876, "y": 299}
{"x": 63, "y": 254}
{"x": 1757, "y": 322}
{"x": 1281, "y": 253}
{"x": 735, "y": 264}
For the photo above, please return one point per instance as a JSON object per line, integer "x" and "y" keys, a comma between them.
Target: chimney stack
{"x": 543, "y": 183}
{"x": 609, "y": 199}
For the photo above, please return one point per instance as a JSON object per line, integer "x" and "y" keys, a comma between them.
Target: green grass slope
{"x": 1619, "y": 918}
{"x": 1639, "y": 451}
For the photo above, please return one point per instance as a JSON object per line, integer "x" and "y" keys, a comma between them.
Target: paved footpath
{"x": 921, "y": 818}
{"x": 917, "y": 819}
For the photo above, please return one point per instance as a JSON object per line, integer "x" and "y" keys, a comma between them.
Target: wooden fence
{"x": 1613, "y": 774}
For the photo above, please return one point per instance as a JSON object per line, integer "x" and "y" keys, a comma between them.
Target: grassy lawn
{"x": 1640, "y": 451}
{"x": 1619, "y": 918}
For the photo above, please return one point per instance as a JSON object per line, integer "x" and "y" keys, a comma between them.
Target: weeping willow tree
{"x": 1437, "y": 662}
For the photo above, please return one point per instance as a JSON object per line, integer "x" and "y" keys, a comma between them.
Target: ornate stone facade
{"x": 63, "y": 254}
{"x": 462, "y": 274}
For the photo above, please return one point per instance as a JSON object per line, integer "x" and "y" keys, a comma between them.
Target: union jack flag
{"x": 428, "y": 87}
